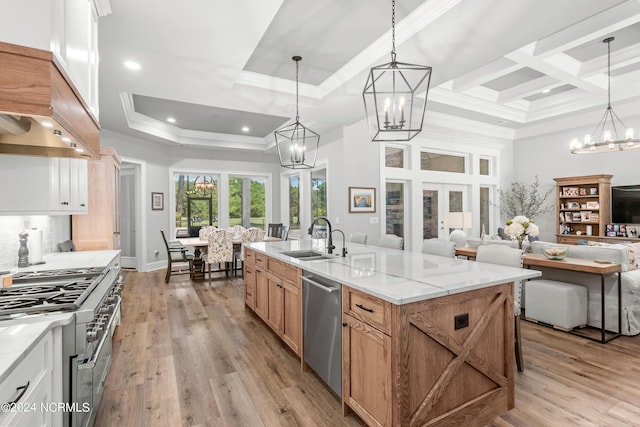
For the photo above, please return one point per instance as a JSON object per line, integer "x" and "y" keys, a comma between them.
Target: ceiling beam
{"x": 528, "y": 88}
{"x": 491, "y": 71}
{"x": 595, "y": 27}
{"x": 560, "y": 66}
{"x": 619, "y": 59}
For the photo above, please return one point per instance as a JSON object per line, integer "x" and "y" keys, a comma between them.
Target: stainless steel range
{"x": 93, "y": 294}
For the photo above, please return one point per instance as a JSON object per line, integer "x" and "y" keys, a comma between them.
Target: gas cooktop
{"x": 48, "y": 290}
{"x": 62, "y": 274}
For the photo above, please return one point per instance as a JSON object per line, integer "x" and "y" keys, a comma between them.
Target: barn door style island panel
{"x": 426, "y": 340}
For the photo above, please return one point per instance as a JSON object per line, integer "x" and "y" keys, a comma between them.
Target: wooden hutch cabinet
{"x": 100, "y": 228}
{"x": 583, "y": 204}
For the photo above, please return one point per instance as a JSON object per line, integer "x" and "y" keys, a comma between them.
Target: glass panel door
{"x": 437, "y": 200}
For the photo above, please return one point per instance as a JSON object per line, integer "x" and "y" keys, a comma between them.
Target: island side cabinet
{"x": 442, "y": 361}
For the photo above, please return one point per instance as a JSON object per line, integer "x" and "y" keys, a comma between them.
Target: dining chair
{"x": 237, "y": 230}
{"x": 285, "y": 232}
{"x": 391, "y": 241}
{"x": 439, "y": 247}
{"x": 358, "y": 237}
{"x": 220, "y": 250}
{"x": 512, "y": 257}
{"x": 274, "y": 229}
{"x": 176, "y": 254}
{"x": 251, "y": 235}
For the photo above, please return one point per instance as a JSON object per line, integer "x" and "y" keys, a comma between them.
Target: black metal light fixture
{"x": 393, "y": 96}
{"x": 605, "y": 139}
{"x": 297, "y": 145}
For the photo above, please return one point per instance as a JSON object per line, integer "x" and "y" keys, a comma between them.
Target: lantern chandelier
{"x": 607, "y": 139}
{"x": 297, "y": 145}
{"x": 202, "y": 185}
{"x": 393, "y": 96}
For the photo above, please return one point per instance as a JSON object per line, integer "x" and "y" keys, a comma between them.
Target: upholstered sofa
{"x": 617, "y": 253}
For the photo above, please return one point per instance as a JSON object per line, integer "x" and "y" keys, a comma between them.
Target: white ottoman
{"x": 560, "y": 304}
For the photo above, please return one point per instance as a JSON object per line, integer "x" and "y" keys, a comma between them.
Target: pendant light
{"x": 603, "y": 138}
{"x": 395, "y": 96}
{"x": 297, "y": 145}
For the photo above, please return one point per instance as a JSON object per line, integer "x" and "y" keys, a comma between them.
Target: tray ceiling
{"x": 219, "y": 64}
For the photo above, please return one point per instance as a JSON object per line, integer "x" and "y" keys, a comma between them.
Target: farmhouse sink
{"x": 306, "y": 255}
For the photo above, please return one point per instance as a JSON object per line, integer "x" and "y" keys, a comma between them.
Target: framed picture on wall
{"x": 632, "y": 231}
{"x": 362, "y": 199}
{"x": 157, "y": 201}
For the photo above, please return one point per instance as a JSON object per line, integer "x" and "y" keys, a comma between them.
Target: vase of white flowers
{"x": 520, "y": 227}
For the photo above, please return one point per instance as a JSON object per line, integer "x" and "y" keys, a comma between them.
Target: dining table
{"x": 197, "y": 266}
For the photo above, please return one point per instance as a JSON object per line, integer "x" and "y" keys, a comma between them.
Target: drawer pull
{"x": 22, "y": 390}
{"x": 362, "y": 307}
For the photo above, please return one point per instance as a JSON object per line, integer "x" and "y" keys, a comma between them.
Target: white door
{"x": 437, "y": 200}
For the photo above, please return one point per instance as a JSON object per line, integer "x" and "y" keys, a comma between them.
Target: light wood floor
{"x": 190, "y": 354}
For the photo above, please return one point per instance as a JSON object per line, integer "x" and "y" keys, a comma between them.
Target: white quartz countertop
{"x": 18, "y": 337}
{"x": 393, "y": 275}
{"x": 59, "y": 260}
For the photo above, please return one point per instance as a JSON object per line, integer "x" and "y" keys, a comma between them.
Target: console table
{"x": 574, "y": 264}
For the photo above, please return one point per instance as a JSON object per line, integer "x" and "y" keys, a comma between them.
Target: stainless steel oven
{"x": 91, "y": 373}
{"x": 93, "y": 294}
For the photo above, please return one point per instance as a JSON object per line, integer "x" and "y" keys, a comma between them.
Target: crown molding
{"x": 186, "y": 137}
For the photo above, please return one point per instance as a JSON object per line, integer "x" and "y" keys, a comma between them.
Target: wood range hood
{"x": 41, "y": 111}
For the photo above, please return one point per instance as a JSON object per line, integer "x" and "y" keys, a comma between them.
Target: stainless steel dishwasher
{"x": 322, "y": 333}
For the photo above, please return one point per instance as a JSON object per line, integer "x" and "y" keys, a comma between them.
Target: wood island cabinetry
{"x": 99, "y": 229}
{"x": 441, "y": 361}
{"x": 582, "y": 203}
{"x": 273, "y": 291}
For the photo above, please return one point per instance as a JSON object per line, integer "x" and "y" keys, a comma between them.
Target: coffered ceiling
{"x": 217, "y": 66}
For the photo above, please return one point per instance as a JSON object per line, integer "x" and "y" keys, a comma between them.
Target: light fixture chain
{"x": 393, "y": 30}
{"x": 297, "y": 72}
{"x": 609, "y": 72}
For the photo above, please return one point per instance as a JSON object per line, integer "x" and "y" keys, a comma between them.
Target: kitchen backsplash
{"x": 55, "y": 228}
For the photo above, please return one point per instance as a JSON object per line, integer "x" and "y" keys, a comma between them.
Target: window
{"x": 430, "y": 161}
{"x": 318, "y": 193}
{"x": 484, "y": 167}
{"x": 484, "y": 209}
{"x": 196, "y": 203}
{"x": 294, "y": 206}
{"x": 394, "y": 157}
{"x": 395, "y": 208}
{"x": 247, "y": 201}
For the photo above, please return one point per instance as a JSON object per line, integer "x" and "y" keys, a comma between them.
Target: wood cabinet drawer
{"x": 285, "y": 271}
{"x": 249, "y": 294}
{"x": 369, "y": 309}
{"x": 260, "y": 259}
{"x": 249, "y": 256}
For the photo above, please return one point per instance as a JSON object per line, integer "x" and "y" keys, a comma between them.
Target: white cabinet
{"x": 43, "y": 185}
{"x": 68, "y": 28}
{"x": 33, "y": 384}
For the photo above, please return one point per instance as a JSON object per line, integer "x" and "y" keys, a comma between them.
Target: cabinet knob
{"x": 344, "y": 324}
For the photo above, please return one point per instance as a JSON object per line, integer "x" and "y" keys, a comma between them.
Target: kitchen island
{"x": 426, "y": 340}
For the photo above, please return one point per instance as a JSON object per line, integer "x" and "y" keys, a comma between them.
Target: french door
{"x": 437, "y": 200}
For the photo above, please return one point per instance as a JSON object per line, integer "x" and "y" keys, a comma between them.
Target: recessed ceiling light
{"x": 502, "y": 122}
{"x": 171, "y": 120}
{"x": 245, "y": 129}
{"x": 132, "y": 65}
{"x": 546, "y": 91}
